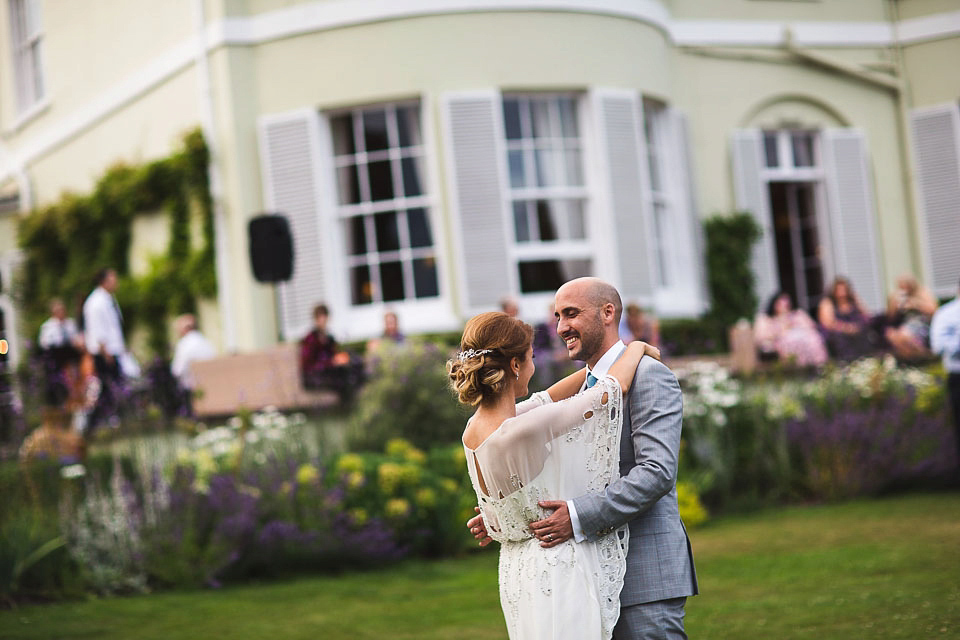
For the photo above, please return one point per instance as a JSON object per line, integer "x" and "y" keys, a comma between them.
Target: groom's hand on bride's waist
{"x": 554, "y": 529}
{"x": 479, "y": 529}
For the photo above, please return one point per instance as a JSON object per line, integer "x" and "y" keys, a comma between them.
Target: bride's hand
{"x": 648, "y": 350}
{"x": 478, "y": 529}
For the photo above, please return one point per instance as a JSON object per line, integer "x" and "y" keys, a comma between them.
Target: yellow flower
{"x": 349, "y": 462}
{"x": 389, "y": 475}
{"x": 307, "y": 474}
{"x": 448, "y": 485}
{"x": 692, "y": 511}
{"x": 426, "y": 497}
{"x": 397, "y": 507}
{"x": 286, "y": 488}
{"x": 358, "y": 515}
{"x": 459, "y": 456}
{"x": 356, "y": 479}
{"x": 398, "y": 447}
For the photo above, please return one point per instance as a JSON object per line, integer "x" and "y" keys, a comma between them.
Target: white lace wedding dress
{"x": 553, "y": 451}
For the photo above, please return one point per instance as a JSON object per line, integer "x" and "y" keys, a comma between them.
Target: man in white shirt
{"x": 945, "y": 341}
{"x": 103, "y": 333}
{"x": 60, "y": 343}
{"x": 191, "y": 347}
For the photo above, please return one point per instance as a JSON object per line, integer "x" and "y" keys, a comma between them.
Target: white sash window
{"x": 27, "y": 38}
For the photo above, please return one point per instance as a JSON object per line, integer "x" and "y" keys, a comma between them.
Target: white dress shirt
{"x": 102, "y": 323}
{"x": 55, "y": 332}
{"x": 603, "y": 367}
{"x": 190, "y": 348}
{"x": 945, "y": 335}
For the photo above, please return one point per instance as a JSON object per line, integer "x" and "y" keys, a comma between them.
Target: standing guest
{"x": 323, "y": 365}
{"x": 909, "y": 310}
{"x": 191, "y": 347}
{"x": 61, "y": 345}
{"x": 549, "y": 351}
{"x": 103, "y": 332}
{"x": 637, "y": 324}
{"x": 845, "y": 321}
{"x": 945, "y": 341}
{"x": 790, "y": 333}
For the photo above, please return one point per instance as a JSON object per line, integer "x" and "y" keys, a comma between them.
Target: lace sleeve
{"x": 515, "y": 454}
{"x": 538, "y": 399}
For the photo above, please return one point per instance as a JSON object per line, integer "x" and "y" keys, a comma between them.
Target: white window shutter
{"x": 687, "y": 210}
{"x": 751, "y": 195}
{"x": 852, "y": 213}
{"x": 936, "y": 148}
{"x": 473, "y": 135}
{"x": 289, "y": 149}
{"x": 620, "y": 129}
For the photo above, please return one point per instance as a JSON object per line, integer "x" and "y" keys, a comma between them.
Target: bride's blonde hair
{"x": 479, "y": 373}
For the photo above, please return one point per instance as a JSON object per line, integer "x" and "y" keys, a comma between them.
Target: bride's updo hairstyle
{"x": 481, "y": 370}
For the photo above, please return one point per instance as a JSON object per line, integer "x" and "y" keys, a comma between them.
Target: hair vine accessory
{"x": 470, "y": 353}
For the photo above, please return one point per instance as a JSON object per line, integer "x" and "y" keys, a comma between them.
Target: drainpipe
{"x": 208, "y": 126}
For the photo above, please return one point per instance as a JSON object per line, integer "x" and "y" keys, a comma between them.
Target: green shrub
{"x": 688, "y": 336}
{"x": 730, "y": 281}
{"x": 408, "y": 396}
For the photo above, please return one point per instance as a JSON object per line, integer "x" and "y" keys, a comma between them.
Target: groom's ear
{"x": 609, "y": 313}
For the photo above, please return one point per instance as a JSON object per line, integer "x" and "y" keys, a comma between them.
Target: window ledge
{"x": 31, "y": 113}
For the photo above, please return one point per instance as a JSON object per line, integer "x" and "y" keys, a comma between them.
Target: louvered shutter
{"x": 687, "y": 205}
{"x": 852, "y": 213}
{"x": 473, "y": 129}
{"x": 751, "y": 195}
{"x": 625, "y": 165}
{"x": 289, "y": 145}
{"x": 936, "y": 148}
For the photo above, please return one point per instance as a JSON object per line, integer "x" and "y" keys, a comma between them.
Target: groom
{"x": 660, "y": 572}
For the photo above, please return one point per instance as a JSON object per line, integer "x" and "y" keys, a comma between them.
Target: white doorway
{"x": 797, "y": 241}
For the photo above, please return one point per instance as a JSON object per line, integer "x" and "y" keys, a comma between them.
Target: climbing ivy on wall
{"x": 67, "y": 242}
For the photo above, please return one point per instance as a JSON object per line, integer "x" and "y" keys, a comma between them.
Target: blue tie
{"x": 591, "y": 380}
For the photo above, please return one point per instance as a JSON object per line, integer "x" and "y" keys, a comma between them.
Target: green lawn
{"x": 872, "y": 569}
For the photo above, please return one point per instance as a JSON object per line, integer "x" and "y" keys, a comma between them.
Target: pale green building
{"x": 435, "y": 156}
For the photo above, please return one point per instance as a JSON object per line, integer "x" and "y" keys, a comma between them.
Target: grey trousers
{"x": 660, "y": 620}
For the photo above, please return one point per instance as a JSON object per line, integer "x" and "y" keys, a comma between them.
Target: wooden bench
{"x": 256, "y": 380}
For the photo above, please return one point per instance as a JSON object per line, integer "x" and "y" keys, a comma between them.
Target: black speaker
{"x": 271, "y": 248}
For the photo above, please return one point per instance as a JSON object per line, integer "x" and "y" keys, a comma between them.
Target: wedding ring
{"x": 549, "y": 537}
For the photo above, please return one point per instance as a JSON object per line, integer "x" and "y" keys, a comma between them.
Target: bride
{"x": 556, "y": 445}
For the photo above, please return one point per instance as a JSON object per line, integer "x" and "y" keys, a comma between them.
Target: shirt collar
{"x": 607, "y": 360}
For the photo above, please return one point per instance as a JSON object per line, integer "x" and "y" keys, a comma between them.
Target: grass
{"x": 870, "y": 569}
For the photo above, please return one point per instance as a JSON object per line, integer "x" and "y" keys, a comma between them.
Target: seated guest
{"x": 191, "y": 347}
{"x": 790, "y": 333}
{"x": 391, "y": 333}
{"x": 845, "y": 321}
{"x": 323, "y": 365}
{"x": 909, "y": 310}
{"x": 61, "y": 344}
{"x": 636, "y": 324}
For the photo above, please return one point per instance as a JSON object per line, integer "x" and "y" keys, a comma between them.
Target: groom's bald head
{"x": 597, "y": 292}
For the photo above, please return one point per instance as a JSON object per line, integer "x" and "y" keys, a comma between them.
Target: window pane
{"x": 770, "y": 148}
{"x": 578, "y": 220}
{"x": 381, "y": 180}
{"x": 541, "y": 118}
{"x": 356, "y": 236}
{"x": 425, "y": 278}
{"x": 547, "y": 220}
{"x": 521, "y": 222}
{"x": 419, "y": 225}
{"x": 511, "y": 119}
{"x": 802, "y": 149}
{"x": 411, "y": 177}
{"x": 574, "y": 173}
{"x": 660, "y": 231}
{"x": 391, "y": 281}
{"x": 546, "y": 162}
{"x": 388, "y": 239}
{"x": 517, "y": 176}
{"x": 568, "y": 118}
{"x": 342, "y": 129}
{"x": 375, "y": 130}
{"x": 361, "y": 289}
{"x": 653, "y": 165}
{"x": 348, "y": 184}
{"x": 548, "y": 275}
{"x": 408, "y": 126}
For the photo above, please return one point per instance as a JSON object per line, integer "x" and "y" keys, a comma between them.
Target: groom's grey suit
{"x": 659, "y": 559}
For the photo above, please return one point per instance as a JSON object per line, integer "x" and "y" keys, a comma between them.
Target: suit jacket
{"x": 659, "y": 558}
